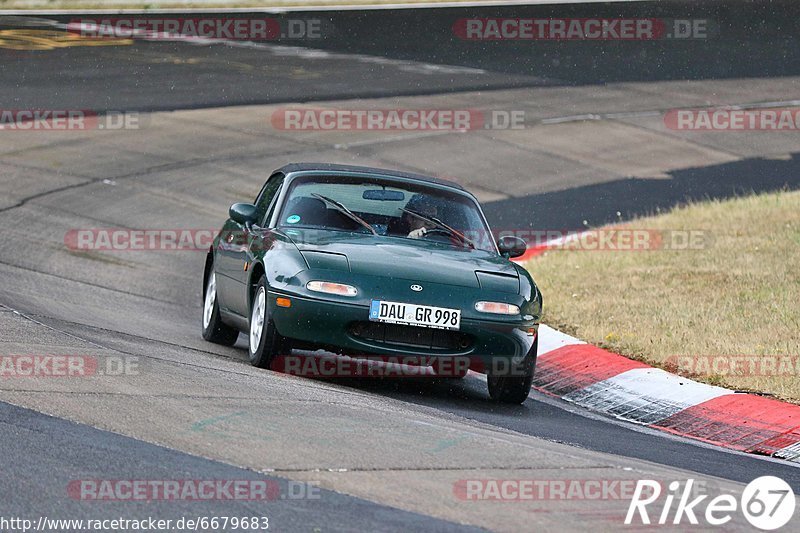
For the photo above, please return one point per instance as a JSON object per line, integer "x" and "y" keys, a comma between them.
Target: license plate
{"x": 415, "y": 315}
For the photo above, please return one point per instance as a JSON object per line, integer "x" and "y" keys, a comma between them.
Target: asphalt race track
{"x": 386, "y": 455}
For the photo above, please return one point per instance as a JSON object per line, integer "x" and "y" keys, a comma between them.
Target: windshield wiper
{"x": 433, "y": 220}
{"x": 344, "y": 210}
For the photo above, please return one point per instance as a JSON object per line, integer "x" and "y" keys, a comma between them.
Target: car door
{"x": 234, "y": 251}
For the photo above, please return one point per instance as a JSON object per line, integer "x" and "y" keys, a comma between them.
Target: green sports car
{"x": 371, "y": 262}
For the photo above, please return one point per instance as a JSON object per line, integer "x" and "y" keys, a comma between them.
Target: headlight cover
{"x": 497, "y": 308}
{"x": 330, "y": 287}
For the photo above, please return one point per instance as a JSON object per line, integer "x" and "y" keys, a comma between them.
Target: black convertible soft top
{"x": 331, "y": 167}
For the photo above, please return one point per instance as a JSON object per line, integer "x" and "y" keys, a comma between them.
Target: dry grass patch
{"x": 739, "y": 296}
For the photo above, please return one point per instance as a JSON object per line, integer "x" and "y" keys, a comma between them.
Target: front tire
{"x": 265, "y": 341}
{"x": 213, "y": 328}
{"x": 515, "y": 386}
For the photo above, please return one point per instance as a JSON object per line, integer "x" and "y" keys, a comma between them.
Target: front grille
{"x": 414, "y": 336}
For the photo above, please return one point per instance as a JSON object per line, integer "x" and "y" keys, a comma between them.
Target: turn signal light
{"x": 497, "y": 308}
{"x": 283, "y": 302}
{"x": 331, "y": 288}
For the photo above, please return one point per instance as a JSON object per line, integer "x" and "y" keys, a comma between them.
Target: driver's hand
{"x": 418, "y": 233}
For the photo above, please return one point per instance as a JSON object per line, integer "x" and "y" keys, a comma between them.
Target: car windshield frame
{"x": 408, "y": 185}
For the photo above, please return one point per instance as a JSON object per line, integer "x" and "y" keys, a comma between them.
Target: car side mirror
{"x": 243, "y": 213}
{"x": 511, "y": 246}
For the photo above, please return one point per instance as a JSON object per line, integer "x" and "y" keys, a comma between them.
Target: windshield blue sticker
{"x": 293, "y": 219}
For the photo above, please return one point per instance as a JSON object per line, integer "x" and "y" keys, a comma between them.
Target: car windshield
{"x": 387, "y": 208}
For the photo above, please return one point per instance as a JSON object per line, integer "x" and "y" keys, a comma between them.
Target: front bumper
{"x": 340, "y": 326}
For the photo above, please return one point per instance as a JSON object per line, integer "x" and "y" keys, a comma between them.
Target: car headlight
{"x": 331, "y": 288}
{"x": 497, "y": 308}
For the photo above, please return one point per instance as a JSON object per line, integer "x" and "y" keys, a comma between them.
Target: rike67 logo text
{"x": 767, "y": 503}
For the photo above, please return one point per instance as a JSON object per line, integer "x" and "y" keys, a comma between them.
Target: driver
{"x": 418, "y": 226}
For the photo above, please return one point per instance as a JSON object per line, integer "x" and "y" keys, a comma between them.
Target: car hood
{"x": 420, "y": 261}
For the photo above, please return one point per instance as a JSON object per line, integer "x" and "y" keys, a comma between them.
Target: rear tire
{"x": 265, "y": 341}
{"x": 516, "y": 387}
{"x": 213, "y": 328}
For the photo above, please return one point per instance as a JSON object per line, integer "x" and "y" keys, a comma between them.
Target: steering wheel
{"x": 437, "y": 231}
